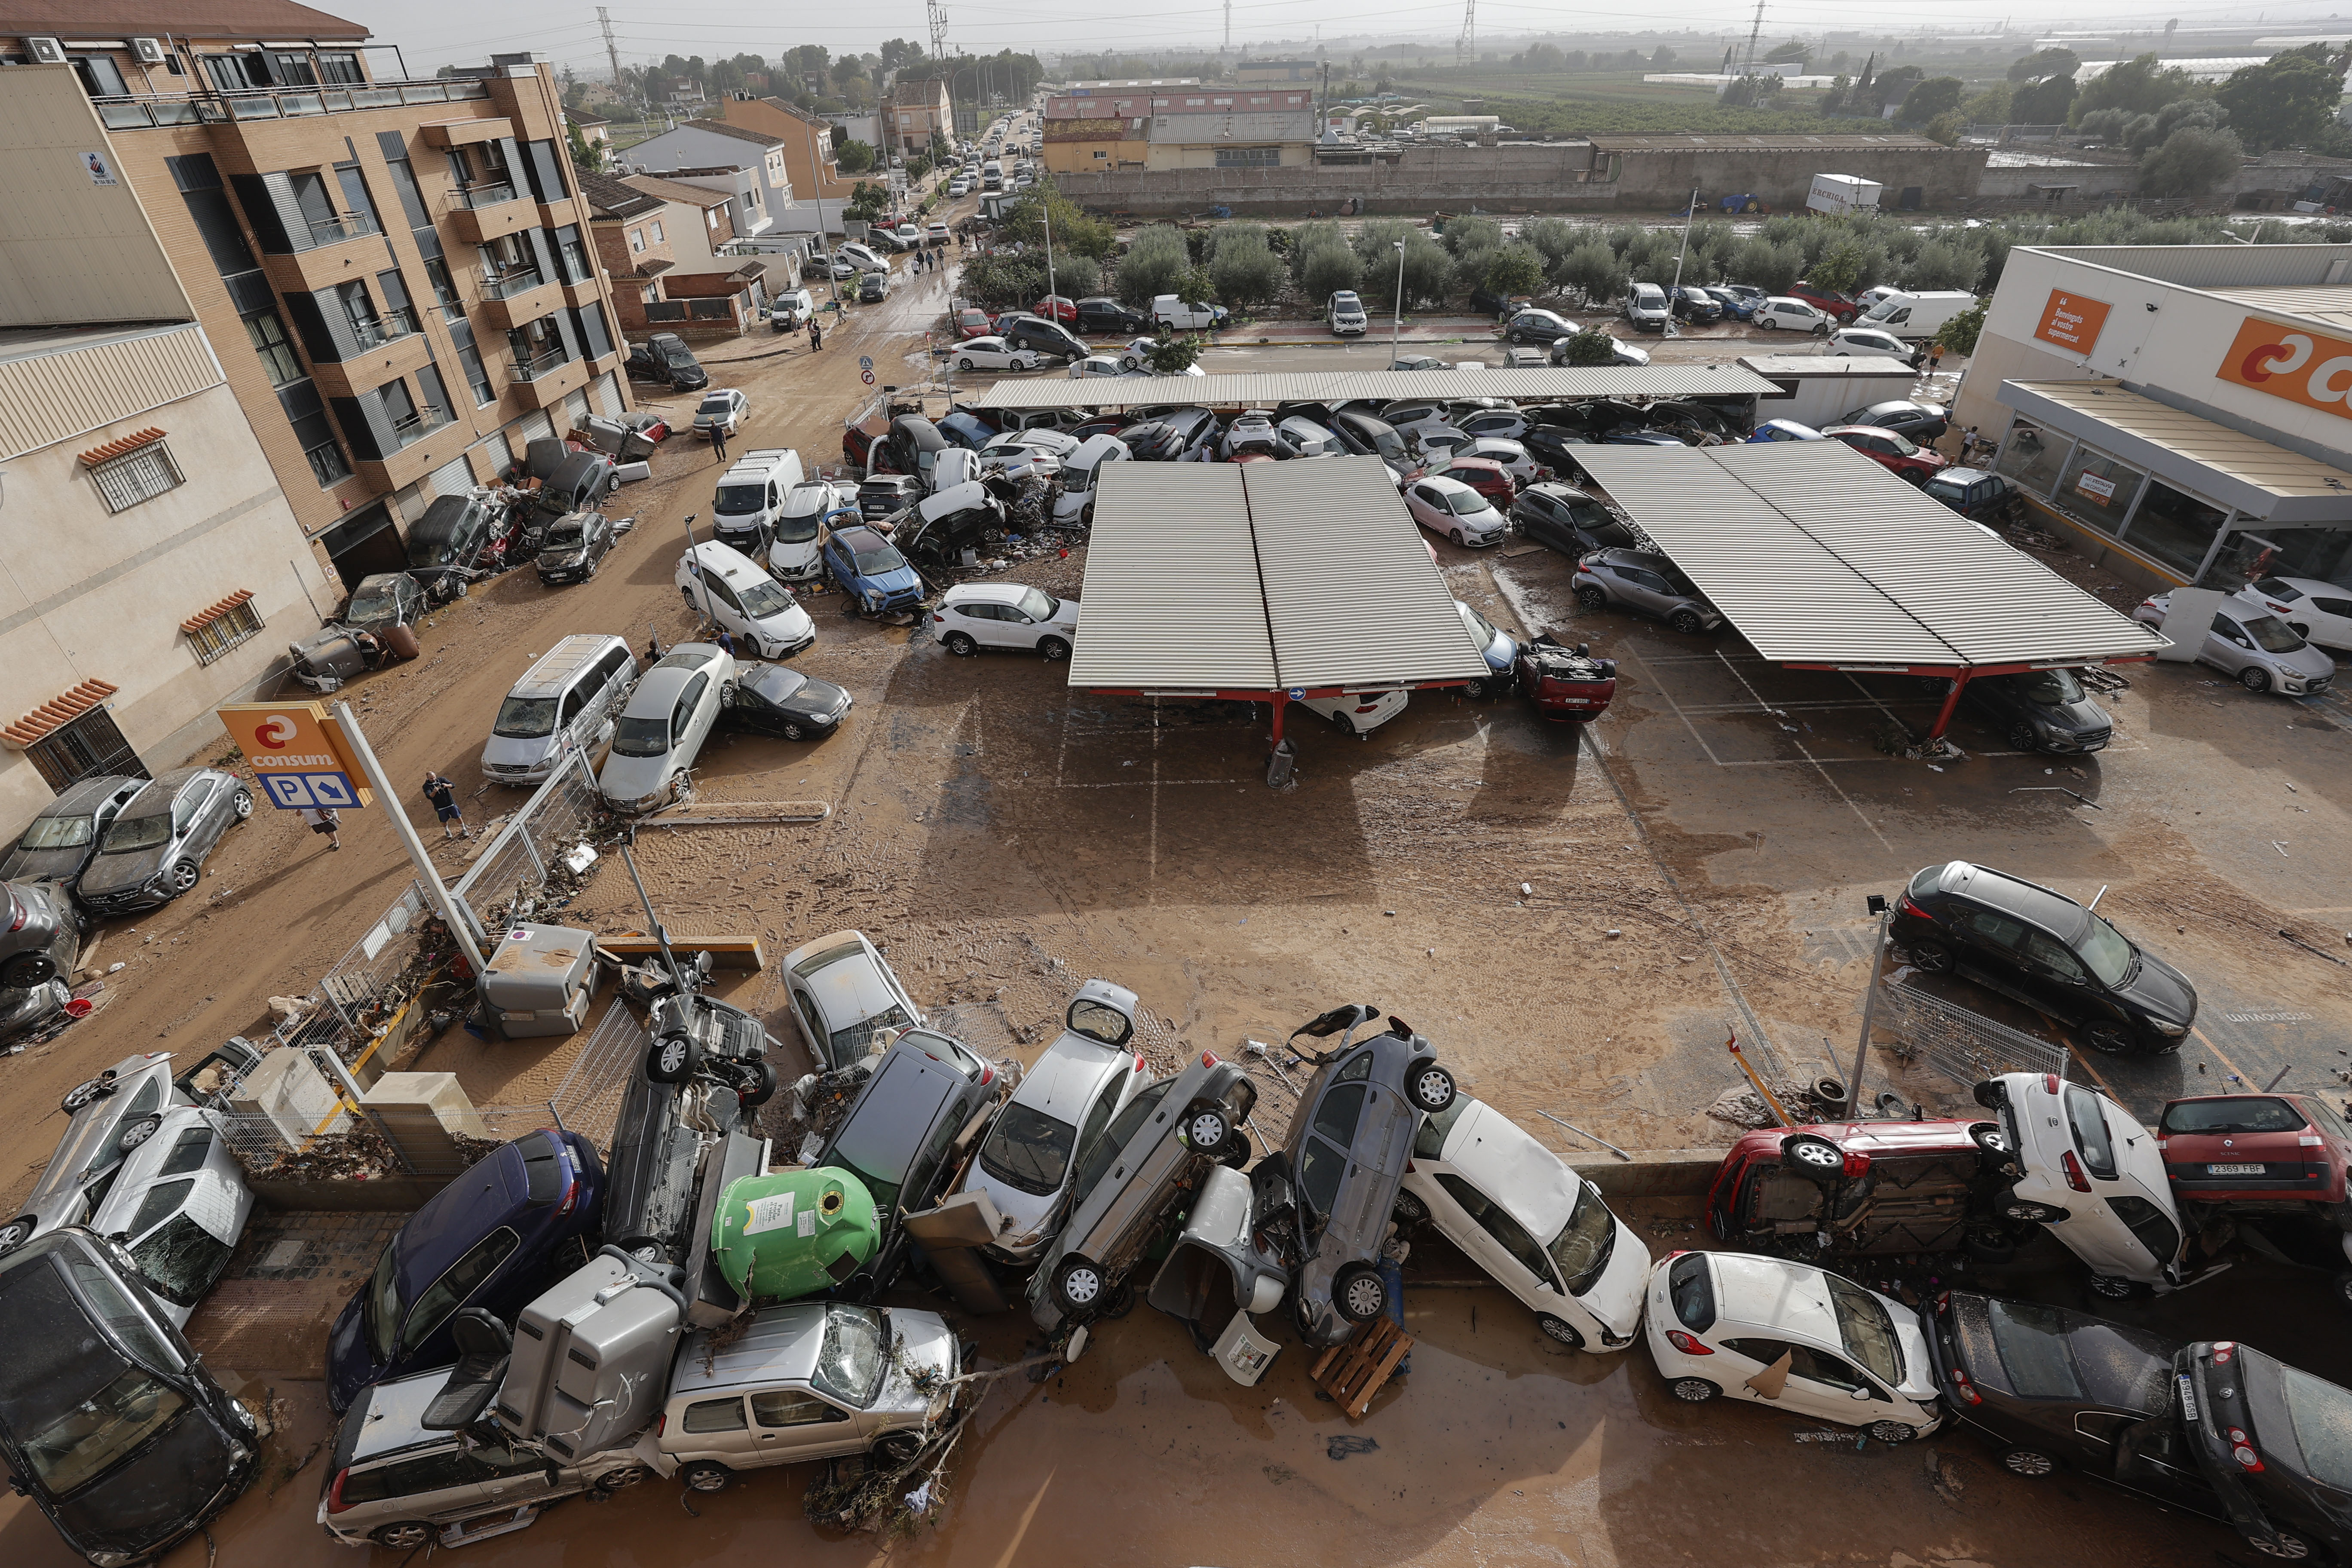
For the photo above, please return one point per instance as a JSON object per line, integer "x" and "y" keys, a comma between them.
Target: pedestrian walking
{"x": 816, "y": 337}
{"x": 443, "y": 796}
{"x": 1968, "y": 444}
{"x": 1935, "y": 359}
{"x": 718, "y": 442}
{"x": 327, "y": 822}
{"x": 727, "y": 642}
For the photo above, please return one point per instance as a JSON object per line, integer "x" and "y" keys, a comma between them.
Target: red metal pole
{"x": 1944, "y": 716}
{"x": 1280, "y": 699}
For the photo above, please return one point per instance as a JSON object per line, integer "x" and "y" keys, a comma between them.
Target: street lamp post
{"x": 1396, "y": 321}
{"x": 817, "y": 178}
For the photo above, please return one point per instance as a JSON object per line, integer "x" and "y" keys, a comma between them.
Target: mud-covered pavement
{"x": 1697, "y": 864}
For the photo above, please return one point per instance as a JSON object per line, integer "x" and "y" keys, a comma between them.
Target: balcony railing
{"x": 375, "y": 331}
{"x": 540, "y": 368}
{"x": 133, "y": 111}
{"x": 342, "y": 227}
{"x": 510, "y": 285}
{"x": 418, "y": 426}
{"x": 486, "y": 194}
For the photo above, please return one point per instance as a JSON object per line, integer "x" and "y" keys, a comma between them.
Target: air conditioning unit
{"x": 150, "y": 50}
{"x": 47, "y": 51}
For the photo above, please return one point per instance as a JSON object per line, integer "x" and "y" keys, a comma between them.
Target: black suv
{"x": 1567, "y": 520}
{"x": 1111, "y": 318}
{"x": 2035, "y": 710}
{"x": 663, "y": 357}
{"x": 1695, "y": 304}
{"x": 452, "y": 540}
{"x": 1040, "y": 336}
{"x": 2046, "y": 951}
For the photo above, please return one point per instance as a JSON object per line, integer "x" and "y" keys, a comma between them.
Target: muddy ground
{"x": 1577, "y": 921}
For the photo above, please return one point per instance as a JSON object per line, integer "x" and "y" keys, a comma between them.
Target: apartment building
{"x": 700, "y": 148}
{"x": 805, "y": 140}
{"x": 150, "y": 566}
{"x": 916, "y": 112}
{"x": 396, "y": 273}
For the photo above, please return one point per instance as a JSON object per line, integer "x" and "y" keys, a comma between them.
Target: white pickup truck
{"x": 1184, "y": 315}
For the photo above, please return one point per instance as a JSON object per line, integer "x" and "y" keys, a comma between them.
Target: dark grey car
{"x": 926, "y": 1094}
{"x": 574, "y": 545}
{"x": 1565, "y": 519}
{"x": 154, "y": 849}
{"x": 61, "y": 840}
{"x": 1326, "y": 1200}
{"x": 2035, "y": 710}
{"x": 39, "y": 930}
{"x": 1638, "y": 580}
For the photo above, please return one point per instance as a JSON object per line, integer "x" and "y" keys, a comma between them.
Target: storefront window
{"x": 2323, "y": 554}
{"x": 2174, "y": 528}
{"x": 2033, "y": 457}
{"x": 2097, "y": 490}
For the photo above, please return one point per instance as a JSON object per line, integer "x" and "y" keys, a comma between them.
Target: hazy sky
{"x": 431, "y": 32}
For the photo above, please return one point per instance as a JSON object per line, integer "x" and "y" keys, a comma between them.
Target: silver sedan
{"x": 156, "y": 848}
{"x": 992, "y": 353}
{"x": 2258, "y": 648}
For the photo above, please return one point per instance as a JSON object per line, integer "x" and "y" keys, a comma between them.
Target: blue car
{"x": 1502, "y": 651}
{"x": 967, "y": 430}
{"x": 1738, "y": 306}
{"x": 1783, "y": 430}
{"x": 873, "y": 575}
{"x": 511, "y": 1225}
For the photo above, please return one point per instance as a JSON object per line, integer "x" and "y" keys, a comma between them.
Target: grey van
{"x": 567, "y": 700}
{"x": 393, "y": 1484}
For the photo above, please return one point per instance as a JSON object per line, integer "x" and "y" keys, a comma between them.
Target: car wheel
{"x": 184, "y": 876}
{"x": 1989, "y": 1137}
{"x": 2109, "y": 1038}
{"x": 1915, "y": 476}
{"x": 963, "y": 365}
{"x": 1341, "y": 722}
{"x": 242, "y": 803}
{"x": 138, "y": 1132}
{"x": 2254, "y": 677}
{"x": 1053, "y": 651}
{"x": 1560, "y": 1329}
{"x": 1410, "y": 1209}
{"x": 1931, "y": 956}
{"x": 405, "y": 1536}
{"x": 2033, "y": 1463}
{"x": 17, "y": 1231}
{"x": 27, "y": 970}
{"x": 793, "y": 731}
{"x": 1079, "y": 1285}
{"x": 1814, "y": 1157}
{"x": 1459, "y": 543}
{"x": 79, "y": 1095}
{"x": 465, "y": 587}
{"x": 760, "y": 1090}
{"x": 1431, "y": 1085}
{"x": 2023, "y": 736}
{"x": 673, "y": 1058}
{"x": 626, "y": 1476}
{"x": 1988, "y": 1244}
{"x": 1693, "y": 1390}
{"x": 1207, "y": 1128}
{"x": 1891, "y": 1431}
{"x": 2026, "y": 1212}
{"x": 703, "y": 1476}
{"x": 1360, "y": 1293}
{"x": 1690, "y": 623}
{"x": 2286, "y": 1544}
{"x": 898, "y": 1449}
{"x": 1592, "y": 598}
{"x": 2114, "y": 1287}
{"x": 644, "y": 1249}
{"x": 1474, "y": 688}
{"x": 960, "y": 644}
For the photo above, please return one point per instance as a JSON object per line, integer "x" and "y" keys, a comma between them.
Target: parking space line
{"x": 1845, "y": 797}
{"x": 1644, "y": 659}
{"x": 2207, "y": 1040}
{"x": 2090, "y": 1067}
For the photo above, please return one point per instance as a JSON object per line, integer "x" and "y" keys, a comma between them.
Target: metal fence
{"x": 1964, "y": 1047}
{"x": 371, "y": 987}
{"x": 543, "y": 848}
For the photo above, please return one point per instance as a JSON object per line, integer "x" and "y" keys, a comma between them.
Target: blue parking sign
{"x": 295, "y": 791}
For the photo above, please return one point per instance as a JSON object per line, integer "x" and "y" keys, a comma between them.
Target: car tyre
{"x": 960, "y": 644}
{"x": 1206, "y": 1127}
{"x": 79, "y": 1095}
{"x": 1341, "y": 722}
{"x": 2253, "y": 678}
{"x": 2031, "y": 1463}
{"x": 1931, "y": 956}
{"x": 1360, "y": 1293}
{"x": 185, "y": 874}
{"x": 1474, "y": 688}
{"x": 1459, "y": 543}
{"x": 406, "y": 1536}
{"x": 1410, "y": 1209}
{"x": 626, "y": 1476}
{"x": 1235, "y": 1152}
{"x": 1560, "y": 1330}
{"x": 242, "y": 803}
{"x": 2109, "y": 1038}
{"x": 138, "y": 1132}
{"x": 1079, "y": 1285}
{"x": 27, "y": 970}
{"x": 1690, "y": 623}
{"x": 2114, "y": 1287}
{"x": 1592, "y": 598}
{"x": 761, "y": 1088}
{"x": 1814, "y": 1157}
{"x": 1693, "y": 1390}
{"x": 2026, "y": 1212}
{"x": 964, "y": 363}
{"x": 2023, "y": 736}
{"x": 1988, "y": 1244}
{"x": 898, "y": 1449}
{"x": 17, "y": 1232}
{"x": 1891, "y": 1431}
{"x": 1053, "y": 651}
{"x": 1429, "y": 1086}
{"x": 704, "y": 1476}
{"x": 1989, "y": 1137}
{"x": 2287, "y": 1545}
{"x": 673, "y": 1058}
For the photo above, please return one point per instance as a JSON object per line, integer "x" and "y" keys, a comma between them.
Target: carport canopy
{"x": 1263, "y": 583}
{"x": 1824, "y": 559}
{"x": 1117, "y": 393}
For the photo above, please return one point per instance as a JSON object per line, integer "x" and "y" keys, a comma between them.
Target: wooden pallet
{"x": 1354, "y": 1369}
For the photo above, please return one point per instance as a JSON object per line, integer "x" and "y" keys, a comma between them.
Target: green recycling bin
{"x": 783, "y": 1236}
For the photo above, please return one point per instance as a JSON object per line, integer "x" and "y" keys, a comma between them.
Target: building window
{"x": 636, "y": 240}
{"x": 469, "y": 358}
{"x": 1100, "y": 153}
{"x": 445, "y": 288}
{"x": 1248, "y": 157}
{"x": 268, "y": 335}
{"x": 136, "y": 477}
{"x": 2033, "y": 457}
{"x": 85, "y": 748}
{"x": 2098, "y": 490}
{"x": 654, "y": 231}
{"x": 341, "y": 69}
{"x": 2175, "y": 527}
{"x": 219, "y": 629}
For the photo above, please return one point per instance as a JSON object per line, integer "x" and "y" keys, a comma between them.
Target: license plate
{"x": 2188, "y": 1396}
{"x": 2233, "y": 1170}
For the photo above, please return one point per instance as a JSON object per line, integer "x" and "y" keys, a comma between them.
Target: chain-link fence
{"x": 1964, "y": 1047}
{"x": 542, "y": 851}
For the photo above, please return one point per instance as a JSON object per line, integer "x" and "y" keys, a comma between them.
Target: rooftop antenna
{"x": 1466, "y": 48}
{"x": 1755, "y": 32}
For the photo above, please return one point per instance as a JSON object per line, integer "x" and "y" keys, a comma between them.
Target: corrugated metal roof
{"x": 2329, "y": 303}
{"x": 1819, "y": 555}
{"x": 1265, "y": 390}
{"x": 2230, "y": 466}
{"x": 1172, "y": 597}
{"x": 1206, "y": 576}
{"x": 1352, "y": 593}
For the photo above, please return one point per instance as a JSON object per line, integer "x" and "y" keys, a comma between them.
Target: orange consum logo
{"x": 2292, "y": 363}
{"x": 2071, "y": 320}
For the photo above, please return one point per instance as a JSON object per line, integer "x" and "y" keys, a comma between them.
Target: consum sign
{"x": 2292, "y": 363}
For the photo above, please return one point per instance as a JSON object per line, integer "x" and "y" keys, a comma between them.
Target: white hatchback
{"x": 1098, "y": 364}
{"x": 1356, "y": 714}
{"x": 727, "y": 587}
{"x": 1869, "y": 342}
{"x": 1453, "y": 508}
{"x": 1812, "y": 1342}
{"x": 843, "y": 997}
{"x": 1789, "y": 316}
{"x": 2315, "y": 611}
{"x": 974, "y": 615}
{"x": 1537, "y": 1227}
{"x": 2094, "y": 1176}
{"x": 179, "y": 1203}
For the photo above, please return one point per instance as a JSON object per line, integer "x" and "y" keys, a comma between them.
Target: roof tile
{"x": 57, "y": 713}
{"x": 121, "y": 446}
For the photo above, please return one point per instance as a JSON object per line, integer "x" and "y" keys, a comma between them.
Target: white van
{"x": 1078, "y": 470}
{"x": 723, "y": 584}
{"x": 1917, "y": 318}
{"x": 566, "y": 701}
{"x": 795, "y": 551}
{"x": 752, "y": 498}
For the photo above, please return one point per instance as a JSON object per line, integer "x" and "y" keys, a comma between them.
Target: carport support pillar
{"x": 1944, "y": 714}
{"x": 1281, "y": 700}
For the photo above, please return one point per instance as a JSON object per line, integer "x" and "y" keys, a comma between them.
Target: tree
{"x": 1795, "y": 51}
{"x": 1516, "y": 268}
{"x": 1244, "y": 270}
{"x": 2192, "y": 162}
{"x": 2043, "y": 63}
{"x": 1156, "y": 263}
{"x": 1467, "y": 234}
{"x": 1939, "y": 264}
{"x": 1592, "y": 271}
{"x": 2045, "y": 102}
{"x": 1172, "y": 355}
{"x": 1959, "y": 334}
{"x": 1989, "y": 107}
{"x": 1325, "y": 269}
{"x": 853, "y": 157}
{"x": 1663, "y": 60}
{"x": 1766, "y": 265}
{"x": 2142, "y": 85}
{"x": 2287, "y": 100}
{"x": 1000, "y": 278}
{"x": 1748, "y": 91}
{"x": 1833, "y": 101}
{"x": 1590, "y": 347}
{"x": 1074, "y": 231}
{"x": 586, "y": 154}
{"x": 1946, "y": 128}
{"x": 1937, "y": 95}
{"x": 1840, "y": 272}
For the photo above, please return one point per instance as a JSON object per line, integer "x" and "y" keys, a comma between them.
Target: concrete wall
{"x": 1655, "y": 177}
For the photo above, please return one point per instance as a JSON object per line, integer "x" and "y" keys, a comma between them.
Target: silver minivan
{"x": 565, "y": 701}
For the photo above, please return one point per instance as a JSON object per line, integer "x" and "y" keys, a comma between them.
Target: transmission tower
{"x": 612, "y": 49}
{"x": 939, "y": 15}
{"x": 1466, "y": 48}
{"x": 1229, "y": 27}
{"x": 1755, "y": 32}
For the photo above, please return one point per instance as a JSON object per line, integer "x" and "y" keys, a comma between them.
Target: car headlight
{"x": 577, "y": 558}
{"x": 2168, "y": 1029}
{"x": 111, "y": 1559}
